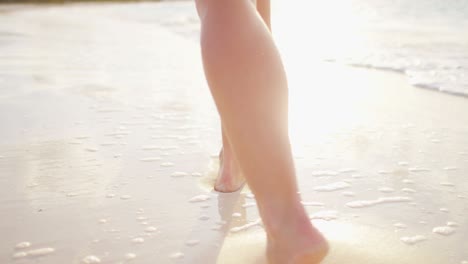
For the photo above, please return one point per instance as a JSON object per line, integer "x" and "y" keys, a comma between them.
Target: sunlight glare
{"x": 306, "y": 33}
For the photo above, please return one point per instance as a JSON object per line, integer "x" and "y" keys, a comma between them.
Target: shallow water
{"x": 425, "y": 40}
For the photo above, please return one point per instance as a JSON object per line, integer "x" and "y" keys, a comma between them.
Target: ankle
{"x": 291, "y": 217}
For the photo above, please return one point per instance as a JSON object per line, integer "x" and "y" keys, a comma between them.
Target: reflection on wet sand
{"x": 217, "y": 225}
{"x": 57, "y": 170}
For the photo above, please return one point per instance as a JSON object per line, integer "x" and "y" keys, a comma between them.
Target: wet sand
{"x": 109, "y": 136}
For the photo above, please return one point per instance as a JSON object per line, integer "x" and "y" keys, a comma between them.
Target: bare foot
{"x": 230, "y": 178}
{"x": 296, "y": 243}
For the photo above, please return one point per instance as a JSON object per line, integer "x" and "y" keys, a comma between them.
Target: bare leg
{"x": 230, "y": 178}
{"x": 247, "y": 80}
{"x": 263, "y": 8}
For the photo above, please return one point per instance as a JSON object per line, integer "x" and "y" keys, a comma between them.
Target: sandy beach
{"x": 109, "y": 141}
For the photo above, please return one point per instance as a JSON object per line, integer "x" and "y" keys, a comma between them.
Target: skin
{"x": 230, "y": 177}
{"x": 247, "y": 81}
{"x": 263, "y": 8}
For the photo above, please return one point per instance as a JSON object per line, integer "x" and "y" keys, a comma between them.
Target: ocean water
{"x": 425, "y": 40}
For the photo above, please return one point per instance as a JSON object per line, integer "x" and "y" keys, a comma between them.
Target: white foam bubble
{"x": 178, "y": 174}
{"x": 199, "y": 198}
{"x": 91, "y": 259}
{"x": 381, "y": 200}
{"x": 408, "y": 190}
{"x": 443, "y": 230}
{"x": 449, "y": 184}
{"x": 138, "y": 240}
{"x": 130, "y": 256}
{"x": 168, "y": 147}
{"x": 413, "y": 239}
{"x": 177, "y": 255}
{"x": 347, "y": 170}
{"x": 324, "y": 173}
{"x": 403, "y": 163}
{"x": 452, "y": 224}
{"x": 118, "y": 134}
{"x": 443, "y": 209}
{"x": 400, "y": 225}
{"x": 106, "y": 144}
{"x": 22, "y": 245}
{"x": 319, "y": 204}
{"x": 40, "y": 252}
{"x": 125, "y": 197}
{"x": 236, "y": 215}
{"x": 246, "y": 226}
{"x": 245, "y": 205}
{"x": 141, "y": 218}
{"x": 408, "y": 181}
{"x": 102, "y": 221}
{"x": 151, "y": 229}
{"x": 20, "y": 254}
{"x": 386, "y": 189}
{"x": 196, "y": 174}
{"x": 192, "y": 242}
{"x": 451, "y": 168}
{"x": 166, "y": 164}
{"x": 332, "y": 187}
{"x": 324, "y": 215}
{"x": 150, "y": 159}
{"x": 418, "y": 169}
{"x": 91, "y": 149}
{"x": 150, "y": 147}
{"x": 250, "y": 196}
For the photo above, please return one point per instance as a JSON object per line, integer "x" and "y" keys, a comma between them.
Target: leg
{"x": 263, "y": 8}
{"x": 247, "y": 80}
{"x": 230, "y": 178}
